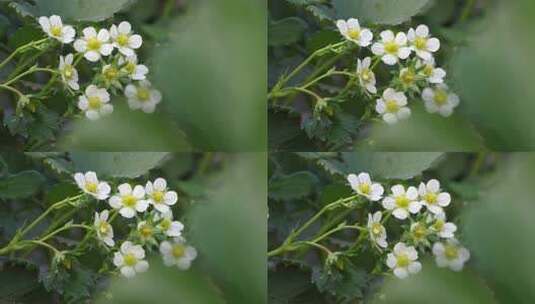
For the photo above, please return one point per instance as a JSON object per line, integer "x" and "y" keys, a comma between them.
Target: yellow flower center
{"x": 402, "y": 202}
{"x": 430, "y": 198}
{"x": 68, "y": 71}
{"x": 146, "y": 231}
{"x": 428, "y": 70}
{"x": 392, "y": 106}
{"x": 129, "y": 200}
{"x": 130, "y": 260}
{"x": 353, "y": 34}
{"x": 451, "y": 252}
{"x": 104, "y": 227}
{"x": 438, "y": 225}
{"x": 130, "y": 67}
{"x": 94, "y": 103}
{"x": 143, "y": 94}
{"x": 364, "y": 188}
{"x": 93, "y": 44}
{"x": 178, "y": 251}
{"x": 91, "y": 187}
{"x": 377, "y": 228}
{"x": 407, "y": 77}
{"x": 165, "y": 224}
{"x": 441, "y": 97}
{"x": 157, "y": 196}
{"x": 111, "y": 73}
{"x": 420, "y": 43}
{"x": 420, "y": 231}
{"x": 122, "y": 39}
{"x": 365, "y": 75}
{"x": 403, "y": 260}
{"x": 55, "y": 31}
{"x": 391, "y": 48}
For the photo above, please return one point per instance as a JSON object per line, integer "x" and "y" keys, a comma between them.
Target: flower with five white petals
{"x": 103, "y": 228}
{"x": 422, "y": 43}
{"x": 402, "y": 202}
{"x": 352, "y": 31}
{"x": 130, "y": 259}
{"x": 450, "y": 254}
{"x": 391, "y": 48}
{"x": 432, "y": 197}
{"x": 442, "y": 228}
{"x": 129, "y": 201}
{"x": 142, "y": 96}
{"x": 90, "y": 184}
{"x": 54, "y": 28}
{"x": 363, "y": 185}
{"x": 403, "y": 260}
{"x": 440, "y": 100}
{"x": 94, "y": 45}
{"x": 134, "y": 70}
{"x": 124, "y": 40}
{"x": 366, "y": 76}
{"x": 95, "y": 102}
{"x": 167, "y": 225}
{"x": 159, "y": 196}
{"x": 376, "y": 229}
{"x": 69, "y": 74}
{"x": 393, "y": 106}
{"x": 433, "y": 74}
{"x": 177, "y": 253}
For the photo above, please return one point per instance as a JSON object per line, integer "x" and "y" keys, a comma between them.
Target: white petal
{"x": 422, "y": 30}
{"x": 444, "y": 199}
{"x": 400, "y": 213}
{"x": 139, "y": 192}
{"x": 124, "y": 27}
{"x": 142, "y": 266}
{"x": 92, "y": 56}
{"x": 171, "y": 198}
{"x": 127, "y": 212}
{"x": 412, "y": 193}
{"x": 115, "y": 202}
{"x": 433, "y": 44}
{"x": 125, "y": 189}
{"x": 128, "y": 271}
{"x": 397, "y": 190}
{"x": 135, "y": 41}
{"x": 401, "y": 273}
{"x": 103, "y": 35}
{"x": 387, "y": 35}
{"x": 389, "y": 203}
{"x": 378, "y": 49}
{"x": 414, "y": 207}
{"x": 142, "y": 205}
{"x": 415, "y": 267}
{"x": 404, "y": 52}
{"x": 89, "y": 32}
{"x": 390, "y": 59}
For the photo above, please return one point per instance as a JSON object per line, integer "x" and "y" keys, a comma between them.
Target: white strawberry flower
{"x": 432, "y": 197}
{"x": 403, "y": 260}
{"x": 422, "y": 43}
{"x": 124, "y": 40}
{"x": 130, "y": 259}
{"x": 363, "y": 185}
{"x": 443, "y": 229}
{"x": 431, "y": 73}
{"x": 103, "y": 228}
{"x": 440, "y": 100}
{"x": 159, "y": 196}
{"x": 129, "y": 201}
{"x": 167, "y": 225}
{"x": 54, "y": 28}
{"x": 450, "y": 254}
{"x": 142, "y": 96}
{"x": 69, "y": 74}
{"x": 178, "y": 253}
{"x": 352, "y": 31}
{"x": 90, "y": 184}
{"x": 95, "y": 102}
{"x": 402, "y": 202}
{"x": 111, "y": 76}
{"x": 393, "y": 106}
{"x": 131, "y": 67}
{"x": 407, "y": 76}
{"x": 94, "y": 45}
{"x": 376, "y": 229}
{"x": 391, "y": 48}
{"x": 366, "y": 76}
{"x": 145, "y": 230}
{"x": 419, "y": 232}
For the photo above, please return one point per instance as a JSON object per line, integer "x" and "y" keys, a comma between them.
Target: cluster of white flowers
{"x": 117, "y": 70}
{"x": 427, "y": 225}
{"x": 155, "y": 227}
{"x": 418, "y": 73}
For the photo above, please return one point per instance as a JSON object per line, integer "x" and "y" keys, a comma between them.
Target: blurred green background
{"x": 207, "y": 57}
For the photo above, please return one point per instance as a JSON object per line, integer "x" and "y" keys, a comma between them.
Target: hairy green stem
{"x": 21, "y": 49}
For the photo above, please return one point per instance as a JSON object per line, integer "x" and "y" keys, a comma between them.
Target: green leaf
{"x": 292, "y": 186}
{"x": 81, "y": 10}
{"x": 346, "y": 285}
{"x": 21, "y": 185}
{"x": 117, "y": 164}
{"x": 389, "y": 165}
{"x": 379, "y": 11}
{"x": 16, "y": 282}
{"x": 286, "y": 31}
